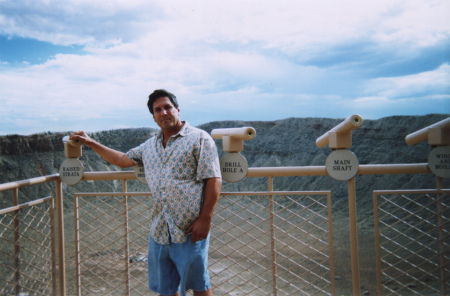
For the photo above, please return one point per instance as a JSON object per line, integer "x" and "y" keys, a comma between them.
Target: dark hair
{"x": 160, "y": 93}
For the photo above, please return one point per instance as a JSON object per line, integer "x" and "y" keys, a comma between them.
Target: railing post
{"x": 377, "y": 244}
{"x": 330, "y": 227}
{"x": 16, "y": 242}
{"x": 441, "y": 236}
{"x": 272, "y": 236}
{"x": 127, "y": 239}
{"x": 61, "y": 238}
{"x": 77, "y": 244}
{"x": 53, "y": 246}
{"x": 353, "y": 235}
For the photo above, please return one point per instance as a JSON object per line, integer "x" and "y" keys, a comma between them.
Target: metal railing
{"x": 33, "y": 229}
{"x": 233, "y": 269}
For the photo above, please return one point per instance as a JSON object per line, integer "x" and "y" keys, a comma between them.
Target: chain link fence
{"x": 111, "y": 240}
{"x": 272, "y": 244}
{"x": 261, "y": 244}
{"x": 412, "y": 242}
{"x": 27, "y": 249}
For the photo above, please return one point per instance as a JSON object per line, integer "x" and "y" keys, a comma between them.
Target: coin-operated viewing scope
{"x": 71, "y": 170}
{"x": 233, "y": 165}
{"x": 341, "y": 164}
{"x": 438, "y": 136}
{"x": 72, "y": 148}
{"x": 340, "y": 136}
{"x": 233, "y": 138}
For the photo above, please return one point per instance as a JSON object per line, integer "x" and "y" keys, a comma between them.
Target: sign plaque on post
{"x": 140, "y": 173}
{"x": 439, "y": 161}
{"x": 234, "y": 167}
{"x": 342, "y": 164}
{"x": 71, "y": 171}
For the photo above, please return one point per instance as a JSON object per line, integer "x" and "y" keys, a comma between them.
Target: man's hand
{"x": 201, "y": 227}
{"x": 82, "y": 136}
{"x": 199, "y": 230}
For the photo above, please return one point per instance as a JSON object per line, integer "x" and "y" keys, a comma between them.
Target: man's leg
{"x": 178, "y": 294}
{"x": 191, "y": 260}
{"x": 204, "y": 293}
{"x": 163, "y": 277}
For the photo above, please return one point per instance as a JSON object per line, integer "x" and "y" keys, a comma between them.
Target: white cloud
{"x": 220, "y": 57}
{"x": 371, "y": 102}
{"x": 406, "y": 86}
{"x": 294, "y": 25}
{"x": 77, "y": 22}
{"x": 285, "y": 24}
{"x": 418, "y": 23}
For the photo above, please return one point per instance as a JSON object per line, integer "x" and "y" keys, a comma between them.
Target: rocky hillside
{"x": 287, "y": 142}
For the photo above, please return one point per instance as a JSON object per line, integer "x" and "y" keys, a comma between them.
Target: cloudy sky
{"x": 90, "y": 64}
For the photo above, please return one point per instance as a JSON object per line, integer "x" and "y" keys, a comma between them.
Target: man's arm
{"x": 110, "y": 155}
{"x": 201, "y": 227}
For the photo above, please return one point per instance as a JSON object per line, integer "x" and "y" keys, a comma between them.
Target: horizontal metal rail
{"x": 28, "y": 182}
{"x": 411, "y": 191}
{"x": 247, "y": 193}
{"x": 368, "y": 169}
{"x": 24, "y": 205}
{"x": 365, "y": 169}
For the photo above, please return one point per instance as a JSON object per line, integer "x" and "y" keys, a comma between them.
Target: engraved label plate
{"x": 140, "y": 173}
{"x": 342, "y": 164}
{"x": 439, "y": 161}
{"x": 233, "y": 167}
{"x": 71, "y": 171}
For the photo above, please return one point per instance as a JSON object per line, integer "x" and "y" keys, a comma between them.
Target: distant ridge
{"x": 287, "y": 142}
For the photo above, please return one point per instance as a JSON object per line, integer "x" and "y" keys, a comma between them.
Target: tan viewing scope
{"x": 437, "y": 134}
{"x": 72, "y": 148}
{"x": 233, "y": 138}
{"x": 340, "y": 136}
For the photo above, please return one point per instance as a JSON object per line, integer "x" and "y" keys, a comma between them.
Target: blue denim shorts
{"x": 178, "y": 267}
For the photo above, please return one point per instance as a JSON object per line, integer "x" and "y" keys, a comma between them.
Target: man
{"x": 183, "y": 172}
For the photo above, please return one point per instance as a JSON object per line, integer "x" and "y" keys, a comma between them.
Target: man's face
{"x": 165, "y": 114}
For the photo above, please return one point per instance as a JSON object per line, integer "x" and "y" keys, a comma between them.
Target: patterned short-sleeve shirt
{"x": 175, "y": 175}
